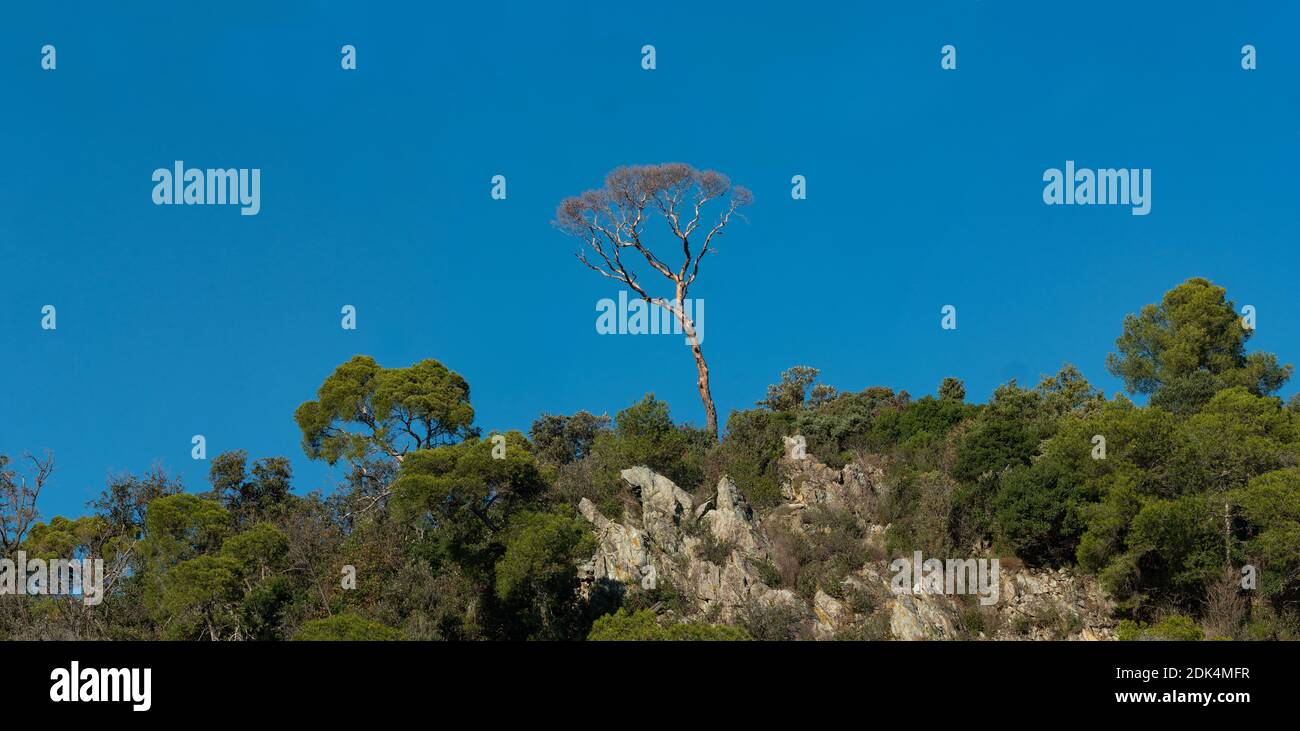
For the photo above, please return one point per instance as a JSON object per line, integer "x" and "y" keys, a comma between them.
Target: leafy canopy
{"x": 362, "y": 408}
{"x": 1189, "y": 346}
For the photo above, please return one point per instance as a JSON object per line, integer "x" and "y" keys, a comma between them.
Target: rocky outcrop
{"x": 831, "y": 616}
{"x": 712, "y": 553}
{"x": 717, "y": 555}
{"x": 922, "y": 617}
{"x": 807, "y": 482}
{"x": 663, "y": 505}
{"x": 1048, "y": 605}
{"x": 732, "y": 521}
{"x": 621, "y": 553}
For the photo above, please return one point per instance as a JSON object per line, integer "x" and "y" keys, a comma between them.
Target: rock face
{"x": 796, "y": 447}
{"x": 858, "y": 487}
{"x": 1046, "y": 605}
{"x": 711, "y": 553}
{"x": 732, "y": 521}
{"x": 831, "y": 616}
{"x": 621, "y": 553}
{"x": 921, "y": 617}
{"x": 663, "y": 504}
{"x": 718, "y": 557}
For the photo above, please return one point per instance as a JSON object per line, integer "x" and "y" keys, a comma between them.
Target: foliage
{"x": 560, "y": 440}
{"x": 1175, "y": 627}
{"x": 346, "y": 628}
{"x": 249, "y": 497}
{"x": 1270, "y": 505}
{"x": 643, "y": 626}
{"x": 362, "y": 408}
{"x": 537, "y": 572}
{"x": 643, "y": 434}
{"x": 1037, "y": 513}
{"x": 437, "y": 534}
{"x": 1188, "y": 347}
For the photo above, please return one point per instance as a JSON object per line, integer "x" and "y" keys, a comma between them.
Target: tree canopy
{"x": 362, "y": 408}
{"x": 1190, "y": 345}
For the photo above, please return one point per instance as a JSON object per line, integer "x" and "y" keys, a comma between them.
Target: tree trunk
{"x": 1227, "y": 532}
{"x": 706, "y": 395}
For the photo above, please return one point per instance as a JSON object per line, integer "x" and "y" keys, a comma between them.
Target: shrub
{"x": 643, "y": 626}
{"x": 778, "y": 621}
{"x": 560, "y": 439}
{"x": 831, "y": 548}
{"x": 1177, "y": 627}
{"x": 750, "y": 453}
{"x": 1036, "y": 514}
{"x": 990, "y": 446}
{"x": 346, "y": 628}
{"x": 714, "y": 550}
{"x": 767, "y": 571}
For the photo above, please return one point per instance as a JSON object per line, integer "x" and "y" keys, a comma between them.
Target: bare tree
{"x": 612, "y": 220}
{"x": 1225, "y": 608}
{"x": 18, "y": 494}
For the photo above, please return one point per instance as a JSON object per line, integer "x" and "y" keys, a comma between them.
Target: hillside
{"x": 1050, "y": 512}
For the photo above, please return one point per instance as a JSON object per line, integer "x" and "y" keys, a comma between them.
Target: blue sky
{"x": 924, "y": 189}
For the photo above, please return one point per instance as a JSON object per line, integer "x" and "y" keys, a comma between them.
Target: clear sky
{"x": 924, "y": 189}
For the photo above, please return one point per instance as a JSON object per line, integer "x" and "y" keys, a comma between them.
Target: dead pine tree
{"x": 613, "y": 219}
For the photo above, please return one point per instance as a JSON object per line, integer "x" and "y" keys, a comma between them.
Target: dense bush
{"x": 750, "y": 455}
{"x": 1037, "y": 513}
{"x": 346, "y": 627}
{"x": 1176, "y": 627}
{"x": 643, "y": 626}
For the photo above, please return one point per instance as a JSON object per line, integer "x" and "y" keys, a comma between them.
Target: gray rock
{"x": 621, "y": 552}
{"x": 663, "y": 504}
{"x": 667, "y": 546}
{"x": 731, "y": 521}
{"x": 830, "y": 616}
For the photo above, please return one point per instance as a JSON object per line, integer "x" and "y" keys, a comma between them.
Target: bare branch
{"x": 613, "y": 219}
{"x": 18, "y": 495}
